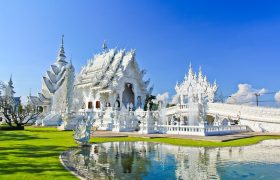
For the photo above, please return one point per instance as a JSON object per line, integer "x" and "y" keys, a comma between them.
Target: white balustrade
{"x": 201, "y": 130}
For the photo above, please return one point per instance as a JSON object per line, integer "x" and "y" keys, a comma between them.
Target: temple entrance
{"x": 128, "y": 95}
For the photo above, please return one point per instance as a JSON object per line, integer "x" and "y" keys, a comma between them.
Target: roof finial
{"x": 104, "y": 45}
{"x": 11, "y": 78}
{"x": 62, "y": 40}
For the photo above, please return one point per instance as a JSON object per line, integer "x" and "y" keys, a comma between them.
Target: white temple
{"x": 112, "y": 78}
{"x": 112, "y": 91}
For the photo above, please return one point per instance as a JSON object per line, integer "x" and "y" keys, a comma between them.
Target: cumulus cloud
{"x": 163, "y": 97}
{"x": 277, "y": 97}
{"x": 175, "y": 99}
{"x": 245, "y": 95}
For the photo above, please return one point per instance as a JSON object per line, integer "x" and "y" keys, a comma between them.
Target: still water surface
{"x": 149, "y": 161}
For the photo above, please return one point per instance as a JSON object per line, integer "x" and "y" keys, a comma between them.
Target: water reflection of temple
{"x": 135, "y": 160}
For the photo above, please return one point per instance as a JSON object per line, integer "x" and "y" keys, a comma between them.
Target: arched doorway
{"x": 128, "y": 94}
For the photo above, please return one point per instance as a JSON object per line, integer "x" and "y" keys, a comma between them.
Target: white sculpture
{"x": 83, "y": 130}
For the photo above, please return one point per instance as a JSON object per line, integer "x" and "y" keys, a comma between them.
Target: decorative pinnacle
{"x": 11, "y": 78}
{"x": 61, "y": 55}
{"x": 190, "y": 73}
{"x": 62, "y": 42}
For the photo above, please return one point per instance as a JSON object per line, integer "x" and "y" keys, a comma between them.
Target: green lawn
{"x": 33, "y": 153}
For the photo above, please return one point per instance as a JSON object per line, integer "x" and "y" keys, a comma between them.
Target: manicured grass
{"x": 189, "y": 142}
{"x": 33, "y": 153}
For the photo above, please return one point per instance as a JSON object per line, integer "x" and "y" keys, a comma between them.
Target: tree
{"x": 149, "y": 100}
{"x": 13, "y": 111}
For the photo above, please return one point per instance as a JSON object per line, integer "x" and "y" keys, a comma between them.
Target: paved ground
{"x": 206, "y": 138}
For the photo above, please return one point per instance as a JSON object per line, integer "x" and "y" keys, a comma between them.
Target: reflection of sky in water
{"x": 143, "y": 160}
{"x": 250, "y": 171}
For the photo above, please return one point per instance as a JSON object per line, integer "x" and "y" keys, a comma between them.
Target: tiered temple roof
{"x": 53, "y": 79}
{"x": 105, "y": 69}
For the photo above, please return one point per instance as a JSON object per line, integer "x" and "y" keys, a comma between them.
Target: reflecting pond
{"x": 145, "y": 160}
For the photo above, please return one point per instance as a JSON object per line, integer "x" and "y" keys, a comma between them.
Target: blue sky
{"x": 234, "y": 41}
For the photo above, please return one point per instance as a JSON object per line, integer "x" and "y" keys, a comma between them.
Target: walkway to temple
{"x": 224, "y": 138}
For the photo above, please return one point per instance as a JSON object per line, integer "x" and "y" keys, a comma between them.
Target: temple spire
{"x": 11, "y": 85}
{"x": 61, "y": 54}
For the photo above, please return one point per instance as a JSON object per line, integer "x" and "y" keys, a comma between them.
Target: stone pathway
{"x": 224, "y": 138}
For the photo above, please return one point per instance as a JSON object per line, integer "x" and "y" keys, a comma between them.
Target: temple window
{"x": 90, "y": 105}
{"x": 97, "y": 104}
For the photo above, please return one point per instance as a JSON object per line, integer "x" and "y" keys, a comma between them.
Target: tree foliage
{"x": 149, "y": 102}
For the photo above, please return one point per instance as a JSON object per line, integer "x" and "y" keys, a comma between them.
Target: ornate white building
{"x": 196, "y": 92}
{"x": 195, "y": 88}
{"x": 111, "y": 78}
{"x": 111, "y": 88}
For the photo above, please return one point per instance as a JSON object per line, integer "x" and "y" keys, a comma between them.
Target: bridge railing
{"x": 182, "y": 130}
{"x": 220, "y": 130}
{"x": 200, "y": 130}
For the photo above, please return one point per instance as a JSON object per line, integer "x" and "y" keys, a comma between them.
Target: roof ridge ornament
{"x": 104, "y": 46}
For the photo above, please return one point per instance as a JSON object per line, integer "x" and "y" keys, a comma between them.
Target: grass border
{"x": 190, "y": 142}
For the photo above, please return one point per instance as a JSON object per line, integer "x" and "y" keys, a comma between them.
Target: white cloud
{"x": 277, "y": 97}
{"x": 175, "y": 99}
{"x": 163, "y": 97}
{"x": 245, "y": 95}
